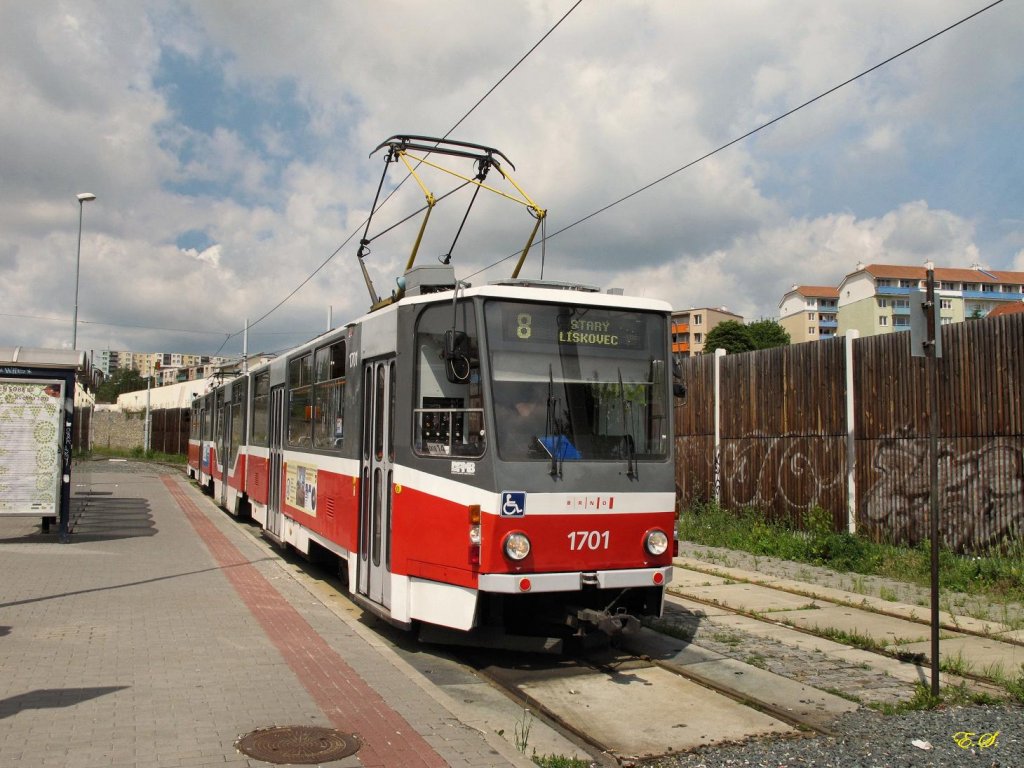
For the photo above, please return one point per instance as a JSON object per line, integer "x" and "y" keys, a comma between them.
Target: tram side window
{"x": 448, "y": 417}
{"x": 261, "y": 410}
{"x": 193, "y": 425}
{"x": 218, "y": 425}
{"x": 300, "y": 401}
{"x": 329, "y": 397}
{"x": 238, "y": 413}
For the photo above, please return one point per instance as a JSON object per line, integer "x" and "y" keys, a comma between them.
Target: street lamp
{"x": 83, "y": 198}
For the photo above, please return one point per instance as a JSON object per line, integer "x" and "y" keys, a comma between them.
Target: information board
{"x": 30, "y": 447}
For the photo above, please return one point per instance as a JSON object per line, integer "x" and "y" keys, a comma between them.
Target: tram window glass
{"x": 578, "y": 383}
{"x": 329, "y": 396}
{"x": 193, "y": 425}
{"x": 300, "y": 401}
{"x": 238, "y": 413}
{"x": 261, "y": 410}
{"x": 448, "y": 415}
{"x": 218, "y": 424}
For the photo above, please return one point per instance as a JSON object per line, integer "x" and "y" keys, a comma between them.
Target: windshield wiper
{"x": 632, "y": 470}
{"x": 551, "y": 425}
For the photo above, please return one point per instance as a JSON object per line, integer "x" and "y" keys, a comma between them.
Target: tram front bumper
{"x": 572, "y": 581}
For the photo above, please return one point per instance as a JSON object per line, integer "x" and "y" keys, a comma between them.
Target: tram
{"x": 492, "y": 464}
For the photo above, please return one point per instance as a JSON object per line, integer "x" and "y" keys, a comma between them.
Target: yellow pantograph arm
{"x": 540, "y": 213}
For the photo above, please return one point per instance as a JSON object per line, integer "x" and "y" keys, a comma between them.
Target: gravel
{"x": 868, "y": 739}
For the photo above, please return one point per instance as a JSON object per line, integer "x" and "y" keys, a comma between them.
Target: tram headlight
{"x": 517, "y": 546}
{"x": 656, "y": 542}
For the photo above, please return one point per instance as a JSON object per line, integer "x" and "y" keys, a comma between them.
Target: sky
{"x": 229, "y": 145}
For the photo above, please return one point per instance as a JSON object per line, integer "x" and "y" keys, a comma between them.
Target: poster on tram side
{"x": 300, "y": 487}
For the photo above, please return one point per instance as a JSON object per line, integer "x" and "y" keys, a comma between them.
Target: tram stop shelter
{"x": 37, "y": 411}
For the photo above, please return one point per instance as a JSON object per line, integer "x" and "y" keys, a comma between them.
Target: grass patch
{"x": 136, "y": 454}
{"x": 560, "y": 761}
{"x": 950, "y": 696}
{"x": 812, "y": 540}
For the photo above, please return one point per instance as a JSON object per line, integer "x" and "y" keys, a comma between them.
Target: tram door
{"x": 225, "y": 450}
{"x": 277, "y": 414}
{"x": 204, "y": 460}
{"x": 375, "y": 484}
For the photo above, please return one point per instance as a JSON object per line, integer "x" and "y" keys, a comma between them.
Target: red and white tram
{"x": 488, "y": 460}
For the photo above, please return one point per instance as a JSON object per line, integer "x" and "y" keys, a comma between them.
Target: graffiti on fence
{"x": 981, "y": 493}
{"x": 795, "y": 473}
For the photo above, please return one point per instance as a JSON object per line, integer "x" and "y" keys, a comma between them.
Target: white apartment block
{"x": 875, "y": 298}
{"x": 810, "y": 312}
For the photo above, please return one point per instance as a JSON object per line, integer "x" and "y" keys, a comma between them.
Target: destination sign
{"x": 573, "y": 326}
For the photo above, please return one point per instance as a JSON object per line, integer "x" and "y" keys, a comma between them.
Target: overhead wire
{"x": 748, "y": 134}
{"x": 459, "y": 122}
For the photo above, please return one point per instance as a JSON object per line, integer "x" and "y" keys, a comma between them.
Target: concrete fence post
{"x": 719, "y": 354}
{"x": 851, "y": 443}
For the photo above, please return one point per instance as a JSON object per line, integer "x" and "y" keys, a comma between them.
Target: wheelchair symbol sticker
{"x": 513, "y": 503}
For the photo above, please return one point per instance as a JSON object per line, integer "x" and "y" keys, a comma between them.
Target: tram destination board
{"x": 574, "y": 326}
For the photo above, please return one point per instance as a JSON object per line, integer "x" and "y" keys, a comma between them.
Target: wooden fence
{"x": 842, "y": 424}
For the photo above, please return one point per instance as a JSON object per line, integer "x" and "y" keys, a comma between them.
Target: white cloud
{"x": 897, "y": 167}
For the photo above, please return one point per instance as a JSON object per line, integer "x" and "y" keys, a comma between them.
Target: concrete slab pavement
{"x": 973, "y": 644}
{"x": 163, "y": 632}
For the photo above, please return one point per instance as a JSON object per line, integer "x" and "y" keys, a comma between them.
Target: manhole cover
{"x": 297, "y": 744}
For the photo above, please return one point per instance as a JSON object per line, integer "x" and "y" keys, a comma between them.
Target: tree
{"x": 731, "y": 335}
{"x": 121, "y": 380}
{"x": 765, "y": 334}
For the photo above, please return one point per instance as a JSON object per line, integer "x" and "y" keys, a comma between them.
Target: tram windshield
{"x": 572, "y": 383}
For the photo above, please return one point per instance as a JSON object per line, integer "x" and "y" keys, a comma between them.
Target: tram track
{"x": 722, "y": 676}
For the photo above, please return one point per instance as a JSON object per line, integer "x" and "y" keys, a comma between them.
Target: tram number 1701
{"x": 579, "y": 540}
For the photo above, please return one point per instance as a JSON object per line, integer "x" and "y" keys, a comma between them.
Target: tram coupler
{"x": 611, "y": 624}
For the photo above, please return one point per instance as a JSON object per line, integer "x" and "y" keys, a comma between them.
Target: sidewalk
{"x": 164, "y": 631}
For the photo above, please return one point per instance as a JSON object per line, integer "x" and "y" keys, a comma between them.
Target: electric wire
{"x": 748, "y": 134}
{"x": 398, "y": 186}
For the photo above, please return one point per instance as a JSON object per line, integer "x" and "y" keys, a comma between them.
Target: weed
{"x": 922, "y": 699}
{"x": 561, "y": 761}
{"x": 843, "y": 694}
{"x": 727, "y": 638}
{"x": 1016, "y": 687}
{"x": 888, "y": 594}
{"x": 522, "y": 731}
{"x": 853, "y": 639}
{"x": 956, "y": 664}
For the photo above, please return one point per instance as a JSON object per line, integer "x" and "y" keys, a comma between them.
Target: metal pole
{"x": 148, "y": 425}
{"x": 82, "y": 199}
{"x": 932, "y": 370}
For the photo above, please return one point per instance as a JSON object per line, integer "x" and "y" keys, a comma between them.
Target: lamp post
{"x": 83, "y": 198}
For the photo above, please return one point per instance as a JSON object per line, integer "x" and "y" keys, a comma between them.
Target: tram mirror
{"x": 456, "y": 356}
{"x": 678, "y": 388}
{"x": 456, "y": 344}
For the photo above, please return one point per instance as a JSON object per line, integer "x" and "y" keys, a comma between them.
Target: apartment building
{"x": 690, "y": 328}
{"x": 876, "y": 298}
{"x": 810, "y": 312}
